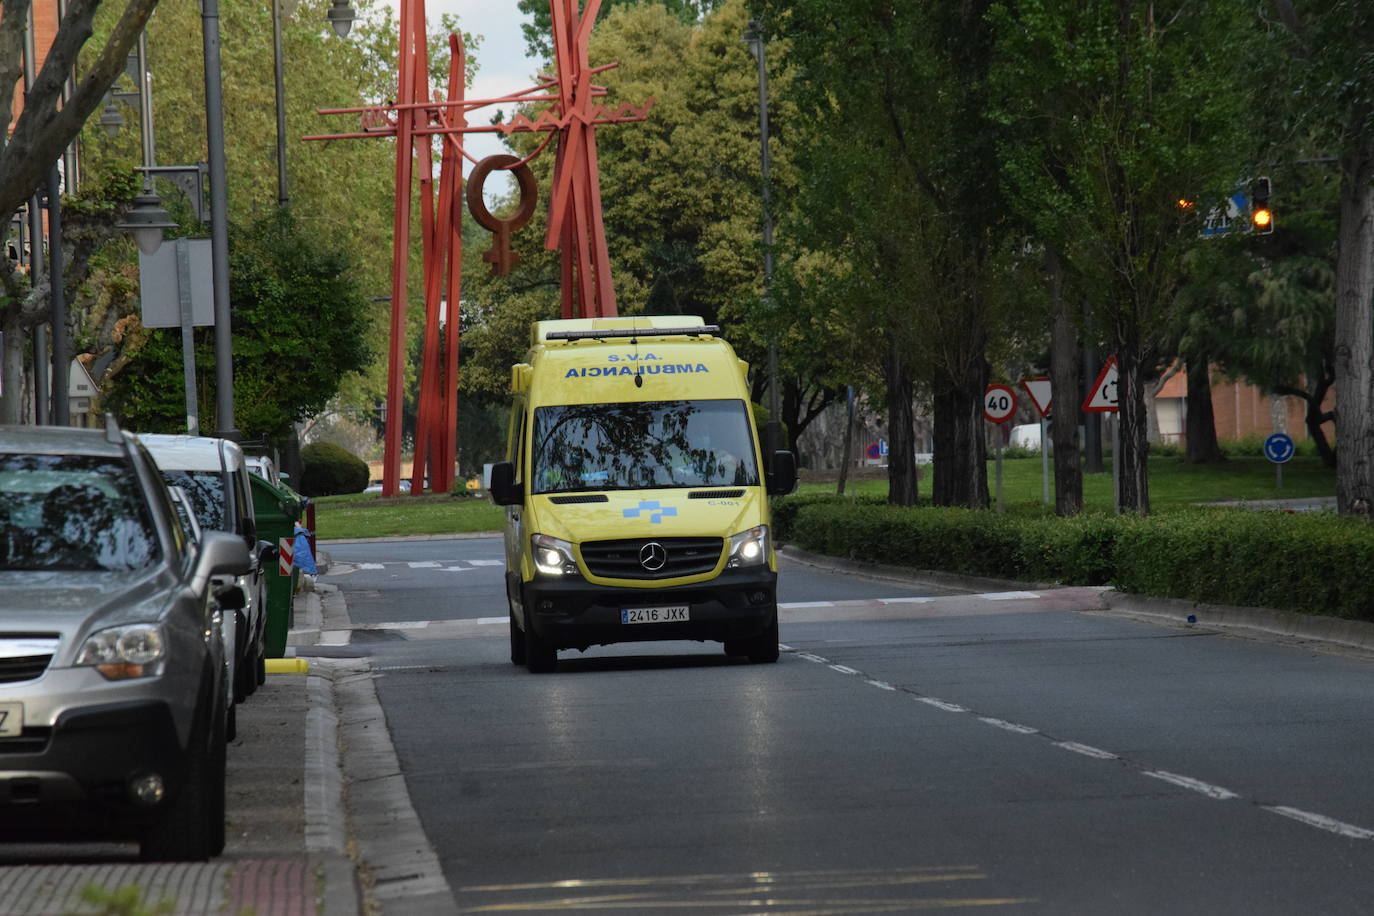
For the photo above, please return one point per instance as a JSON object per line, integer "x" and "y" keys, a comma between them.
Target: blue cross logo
{"x": 656, "y": 511}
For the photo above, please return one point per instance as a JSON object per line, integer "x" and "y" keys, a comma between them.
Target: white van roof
{"x": 192, "y": 453}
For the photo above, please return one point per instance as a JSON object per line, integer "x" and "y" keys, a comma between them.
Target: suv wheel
{"x": 192, "y": 827}
{"x": 517, "y": 642}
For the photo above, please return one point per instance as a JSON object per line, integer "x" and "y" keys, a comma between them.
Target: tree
{"x": 1114, "y": 112}
{"x": 538, "y": 31}
{"x": 31, "y": 144}
{"x": 299, "y": 322}
{"x": 1332, "y": 96}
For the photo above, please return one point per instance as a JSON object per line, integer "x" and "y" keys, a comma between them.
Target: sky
{"x": 502, "y": 66}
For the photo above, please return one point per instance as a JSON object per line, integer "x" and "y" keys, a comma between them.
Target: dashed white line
{"x": 1009, "y": 726}
{"x": 1195, "y": 785}
{"x": 813, "y": 658}
{"x": 371, "y": 566}
{"x": 1086, "y": 750}
{"x": 792, "y": 604}
{"x": 941, "y": 704}
{"x": 843, "y": 669}
{"x": 487, "y": 562}
{"x": 905, "y": 600}
{"x": 1321, "y": 822}
{"x": 423, "y": 564}
{"x": 493, "y": 620}
{"x": 881, "y": 685}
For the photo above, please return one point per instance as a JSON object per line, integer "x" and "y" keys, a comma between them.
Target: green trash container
{"x": 277, "y": 509}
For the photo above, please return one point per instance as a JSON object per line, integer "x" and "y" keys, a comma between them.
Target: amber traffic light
{"x": 1261, "y": 214}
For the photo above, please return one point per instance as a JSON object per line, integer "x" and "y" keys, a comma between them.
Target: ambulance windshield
{"x": 643, "y": 444}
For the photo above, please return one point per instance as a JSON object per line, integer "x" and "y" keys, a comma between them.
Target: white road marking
{"x": 371, "y": 566}
{"x": 394, "y": 625}
{"x": 941, "y": 704}
{"x": 881, "y": 685}
{"x": 1009, "y": 726}
{"x": 456, "y": 568}
{"x": 1321, "y": 822}
{"x": 423, "y": 564}
{"x": 813, "y": 658}
{"x": 843, "y": 669}
{"x": 1007, "y": 596}
{"x": 905, "y": 600}
{"x": 1086, "y": 750}
{"x": 807, "y": 604}
{"x": 487, "y": 562}
{"x": 1196, "y": 785}
{"x": 493, "y": 620}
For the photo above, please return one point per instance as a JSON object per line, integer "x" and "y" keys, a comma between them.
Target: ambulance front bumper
{"x": 575, "y": 613}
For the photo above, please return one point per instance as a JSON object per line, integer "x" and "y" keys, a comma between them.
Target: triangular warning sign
{"x": 1102, "y": 398}
{"x": 1038, "y": 390}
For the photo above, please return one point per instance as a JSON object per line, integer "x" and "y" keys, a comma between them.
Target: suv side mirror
{"x": 504, "y": 490}
{"x": 782, "y": 473}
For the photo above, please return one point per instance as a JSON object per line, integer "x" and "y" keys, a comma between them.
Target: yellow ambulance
{"x": 636, "y": 492}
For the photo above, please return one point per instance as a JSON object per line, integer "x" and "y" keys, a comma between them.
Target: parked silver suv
{"x": 112, "y": 712}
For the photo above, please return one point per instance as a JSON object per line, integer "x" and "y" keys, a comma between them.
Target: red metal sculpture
{"x": 574, "y": 228}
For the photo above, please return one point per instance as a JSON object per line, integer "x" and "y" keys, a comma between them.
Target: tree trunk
{"x": 1355, "y": 336}
{"x": 901, "y": 432}
{"x": 1201, "y": 426}
{"x": 1064, "y": 371}
{"x": 848, "y": 445}
{"x": 1131, "y": 454}
{"x": 961, "y": 454}
{"x": 12, "y": 404}
{"x": 1092, "y": 422}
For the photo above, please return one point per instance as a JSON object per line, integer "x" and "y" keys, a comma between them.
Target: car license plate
{"x": 677, "y": 612}
{"x": 11, "y": 720}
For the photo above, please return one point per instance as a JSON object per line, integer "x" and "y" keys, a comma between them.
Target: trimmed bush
{"x": 328, "y": 469}
{"x": 1313, "y": 563}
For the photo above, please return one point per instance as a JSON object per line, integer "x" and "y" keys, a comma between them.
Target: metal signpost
{"x": 999, "y": 404}
{"x": 1103, "y": 399}
{"x": 1279, "y": 448}
{"x": 1038, "y": 390}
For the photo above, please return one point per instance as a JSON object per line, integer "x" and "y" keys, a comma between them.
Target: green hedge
{"x": 1311, "y": 562}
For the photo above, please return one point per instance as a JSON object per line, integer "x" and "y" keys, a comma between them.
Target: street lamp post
{"x": 753, "y": 37}
{"x": 219, "y": 221}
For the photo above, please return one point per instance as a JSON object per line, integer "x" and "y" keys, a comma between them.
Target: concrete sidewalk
{"x": 286, "y": 848}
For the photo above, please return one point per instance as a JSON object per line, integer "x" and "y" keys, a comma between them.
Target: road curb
{"x": 1315, "y": 627}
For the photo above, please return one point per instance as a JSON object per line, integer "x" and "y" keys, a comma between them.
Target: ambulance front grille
{"x": 626, "y": 559}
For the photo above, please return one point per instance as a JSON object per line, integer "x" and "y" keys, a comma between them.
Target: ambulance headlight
{"x": 749, "y": 548}
{"x": 553, "y": 557}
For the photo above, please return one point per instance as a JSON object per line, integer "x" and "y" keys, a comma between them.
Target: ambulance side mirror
{"x": 504, "y": 490}
{"x": 782, "y": 473}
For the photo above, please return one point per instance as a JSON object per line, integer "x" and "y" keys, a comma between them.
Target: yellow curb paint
{"x": 287, "y": 666}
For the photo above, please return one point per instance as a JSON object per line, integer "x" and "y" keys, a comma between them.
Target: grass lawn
{"x": 1173, "y": 484}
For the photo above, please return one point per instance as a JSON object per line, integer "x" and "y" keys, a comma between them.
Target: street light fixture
{"x": 753, "y": 38}
{"x": 341, "y": 17}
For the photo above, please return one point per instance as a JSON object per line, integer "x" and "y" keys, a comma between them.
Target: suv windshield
{"x": 206, "y": 490}
{"x": 643, "y": 444}
{"x": 73, "y": 512}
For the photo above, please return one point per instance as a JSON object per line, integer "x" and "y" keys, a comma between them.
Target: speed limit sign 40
{"x": 999, "y": 403}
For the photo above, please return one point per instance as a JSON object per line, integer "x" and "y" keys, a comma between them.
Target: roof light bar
{"x": 633, "y": 332}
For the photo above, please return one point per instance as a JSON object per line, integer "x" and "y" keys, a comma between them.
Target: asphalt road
{"x": 904, "y": 755}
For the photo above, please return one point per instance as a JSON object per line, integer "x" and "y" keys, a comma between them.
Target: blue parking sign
{"x": 1278, "y": 448}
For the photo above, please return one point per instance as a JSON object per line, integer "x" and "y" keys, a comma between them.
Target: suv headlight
{"x": 749, "y": 548}
{"x": 120, "y": 653}
{"x": 553, "y": 557}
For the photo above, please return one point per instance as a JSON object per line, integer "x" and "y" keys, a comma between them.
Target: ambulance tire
{"x": 763, "y": 649}
{"x": 540, "y": 655}
{"x": 517, "y": 642}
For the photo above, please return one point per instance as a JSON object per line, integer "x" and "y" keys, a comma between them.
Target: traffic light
{"x": 1261, "y": 216}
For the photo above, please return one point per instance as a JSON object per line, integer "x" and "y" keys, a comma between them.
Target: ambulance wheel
{"x": 517, "y": 642}
{"x": 763, "y": 649}
{"x": 540, "y": 656}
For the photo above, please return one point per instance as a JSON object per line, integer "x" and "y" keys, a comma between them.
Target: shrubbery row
{"x": 1313, "y": 563}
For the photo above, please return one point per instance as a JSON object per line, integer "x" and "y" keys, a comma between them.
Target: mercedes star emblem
{"x": 652, "y": 556}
